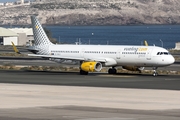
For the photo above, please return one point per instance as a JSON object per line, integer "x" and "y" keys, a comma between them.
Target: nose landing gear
{"x": 155, "y": 72}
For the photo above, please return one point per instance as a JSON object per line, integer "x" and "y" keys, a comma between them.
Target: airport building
{"x": 177, "y": 47}
{"x": 19, "y": 36}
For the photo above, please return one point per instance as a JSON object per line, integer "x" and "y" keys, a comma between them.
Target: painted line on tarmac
{"x": 124, "y": 76}
{"x": 108, "y": 119}
{"x": 171, "y": 79}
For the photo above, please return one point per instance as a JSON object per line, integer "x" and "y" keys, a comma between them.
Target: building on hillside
{"x": 9, "y": 3}
{"x": 1, "y": 4}
{"x": 18, "y": 2}
{"x": 39, "y": 0}
{"x": 19, "y": 36}
{"x": 22, "y": 1}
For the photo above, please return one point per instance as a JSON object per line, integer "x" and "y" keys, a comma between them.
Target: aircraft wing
{"x": 69, "y": 58}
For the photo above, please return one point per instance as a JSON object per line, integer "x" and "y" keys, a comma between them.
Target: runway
{"x": 145, "y": 81}
{"x": 27, "y": 95}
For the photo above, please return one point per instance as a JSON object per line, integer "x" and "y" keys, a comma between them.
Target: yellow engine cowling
{"x": 133, "y": 68}
{"x": 91, "y": 66}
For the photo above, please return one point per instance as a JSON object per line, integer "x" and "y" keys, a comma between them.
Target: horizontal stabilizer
{"x": 33, "y": 50}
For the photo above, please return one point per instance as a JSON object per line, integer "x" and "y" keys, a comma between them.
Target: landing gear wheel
{"x": 82, "y": 72}
{"x": 112, "y": 71}
{"x": 155, "y": 72}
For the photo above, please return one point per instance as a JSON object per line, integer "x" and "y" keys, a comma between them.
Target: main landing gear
{"x": 155, "y": 72}
{"x": 112, "y": 70}
{"x": 82, "y": 72}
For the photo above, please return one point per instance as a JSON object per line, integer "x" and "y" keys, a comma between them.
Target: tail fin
{"x": 15, "y": 48}
{"x": 145, "y": 43}
{"x": 40, "y": 37}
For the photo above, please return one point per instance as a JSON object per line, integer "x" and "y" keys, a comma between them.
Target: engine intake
{"x": 91, "y": 66}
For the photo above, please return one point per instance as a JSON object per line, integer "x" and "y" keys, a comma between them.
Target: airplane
{"x": 93, "y": 57}
{"x": 15, "y": 48}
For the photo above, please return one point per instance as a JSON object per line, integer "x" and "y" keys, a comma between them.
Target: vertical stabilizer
{"x": 145, "y": 43}
{"x": 40, "y": 37}
{"x": 15, "y": 48}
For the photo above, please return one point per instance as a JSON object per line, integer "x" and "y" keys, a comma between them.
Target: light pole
{"x": 107, "y": 42}
{"x": 59, "y": 39}
{"x": 161, "y": 42}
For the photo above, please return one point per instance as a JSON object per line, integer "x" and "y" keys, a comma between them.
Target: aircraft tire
{"x": 112, "y": 71}
{"x": 155, "y": 74}
{"x": 83, "y": 72}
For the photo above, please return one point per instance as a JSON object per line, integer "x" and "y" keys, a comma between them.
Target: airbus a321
{"x": 93, "y": 57}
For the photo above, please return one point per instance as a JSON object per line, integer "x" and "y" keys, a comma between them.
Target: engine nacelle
{"x": 91, "y": 66}
{"x": 133, "y": 68}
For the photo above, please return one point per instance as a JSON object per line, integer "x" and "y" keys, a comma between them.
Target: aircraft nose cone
{"x": 171, "y": 60}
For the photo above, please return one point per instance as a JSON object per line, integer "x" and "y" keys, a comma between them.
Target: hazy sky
{"x": 3, "y": 1}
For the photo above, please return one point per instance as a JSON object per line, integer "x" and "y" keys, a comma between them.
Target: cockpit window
{"x": 166, "y": 53}
{"x": 163, "y": 53}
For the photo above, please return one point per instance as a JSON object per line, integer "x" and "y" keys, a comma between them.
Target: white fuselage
{"x": 116, "y": 55}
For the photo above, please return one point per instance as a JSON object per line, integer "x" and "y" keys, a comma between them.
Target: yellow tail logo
{"x": 15, "y": 48}
{"x": 145, "y": 43}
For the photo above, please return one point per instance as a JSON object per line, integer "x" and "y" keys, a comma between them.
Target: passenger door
{"x": 148, "y": 55}
{"x": 118, "y": 54}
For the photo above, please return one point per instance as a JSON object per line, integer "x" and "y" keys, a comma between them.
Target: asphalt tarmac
{"x": 121, "y": 80}
{"x": 99, "y": 80}
{"x": 85, "y": 113}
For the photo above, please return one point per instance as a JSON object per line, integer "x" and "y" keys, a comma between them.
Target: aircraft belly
{"x": 132, "y": 60}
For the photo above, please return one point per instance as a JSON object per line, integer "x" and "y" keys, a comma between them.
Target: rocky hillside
{"x": 94, "y": 12}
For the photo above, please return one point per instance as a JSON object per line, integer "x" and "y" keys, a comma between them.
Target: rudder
{"x": 40, "y": 37}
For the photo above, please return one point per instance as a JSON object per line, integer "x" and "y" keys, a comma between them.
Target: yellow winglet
{"x": 15, "y": 48}
{"x": 145, "y": 43}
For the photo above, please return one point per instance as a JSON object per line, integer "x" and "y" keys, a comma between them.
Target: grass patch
{"x": 13, "y": 55}
{"x": 76, "y": 69}
{"x": 174, "y": 51}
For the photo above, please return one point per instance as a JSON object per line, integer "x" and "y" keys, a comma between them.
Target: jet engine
{"x": 133, "y": 68}
{"x": 91, "y": 66}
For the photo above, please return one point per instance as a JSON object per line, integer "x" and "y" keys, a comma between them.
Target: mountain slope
{"x": 95, "y": 12}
